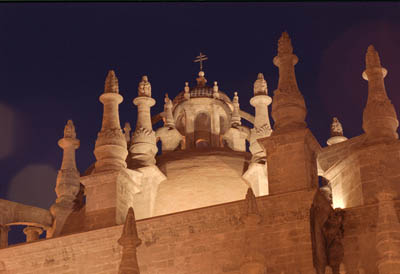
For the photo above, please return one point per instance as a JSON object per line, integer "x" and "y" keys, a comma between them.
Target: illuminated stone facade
{"x": 203, "y": 204}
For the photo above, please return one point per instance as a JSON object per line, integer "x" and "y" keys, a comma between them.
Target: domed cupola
{"x": 202, "y": 114}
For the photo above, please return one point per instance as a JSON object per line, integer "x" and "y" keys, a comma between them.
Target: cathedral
{"x": 206, "y": 194}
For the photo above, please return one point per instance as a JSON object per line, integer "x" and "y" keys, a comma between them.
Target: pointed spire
{"x": 111, "y": 84}
{"x": 260, "y": 85}
{"x": 235, "y": 121}
{"x": 251, "y": 203}
{"x": 372, "y": 59}
{"x": 379, "y": 117}
{"x": 284, "y": 44}
{"x": 129, "y": 241}
{"x": 67, "y": 184}
{"x": 127, "y": 131}
{"x": 110, "y": 148}
{"x": 288, "y": 108}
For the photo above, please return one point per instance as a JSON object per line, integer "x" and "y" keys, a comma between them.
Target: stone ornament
{"x": 336, "y": 133}
{"x": 111, "y": 147}
{"x": 144, "y": 88}
{"x": 111, "y": 84}
{"x": 127, "y": 132}
{"x": 260, "y": 85}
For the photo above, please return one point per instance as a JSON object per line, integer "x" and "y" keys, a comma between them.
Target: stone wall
{"x": 208, "y": 240}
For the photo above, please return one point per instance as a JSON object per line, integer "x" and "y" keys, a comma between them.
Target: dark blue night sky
{"x": 54, "y": 58}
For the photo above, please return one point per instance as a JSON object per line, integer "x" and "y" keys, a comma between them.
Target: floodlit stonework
{"x": 206, "y": 204}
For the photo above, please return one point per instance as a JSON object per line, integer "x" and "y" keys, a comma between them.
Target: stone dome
{"x": 200, "y": 178}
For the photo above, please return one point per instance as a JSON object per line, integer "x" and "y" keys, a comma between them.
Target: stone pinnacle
{"x": 284, "y": 44}
{"x": 372, "y": 58}
{"x": 111, "y": 84}
{"x": 69, "y": 130}
{"x": 129, "y": 232}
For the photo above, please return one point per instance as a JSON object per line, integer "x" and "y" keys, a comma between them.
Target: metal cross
{"x": 200, "y": 59}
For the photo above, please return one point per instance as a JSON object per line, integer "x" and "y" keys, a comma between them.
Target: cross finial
{"x": 200, "y": 59}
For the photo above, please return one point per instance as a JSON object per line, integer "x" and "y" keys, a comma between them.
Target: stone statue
{"x": 336, "y": 128}
{"x": 260, "y": 85}
{"x": 69, "y": 130}
{"x": 326, "y": 234}
{"x": 144, "y": 88}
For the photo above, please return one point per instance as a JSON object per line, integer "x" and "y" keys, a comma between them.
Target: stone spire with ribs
{"x": 288, "y": 107}
{"x": 379, "y": 116}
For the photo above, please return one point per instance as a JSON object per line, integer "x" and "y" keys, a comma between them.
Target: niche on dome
{"x": 202, "y": 129}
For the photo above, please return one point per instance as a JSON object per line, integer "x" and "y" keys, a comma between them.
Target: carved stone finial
{"x": 111, "y": 84}
{"x": 235, "y": 121}
{"x": 285, "y": 44}
{"x": 260, "y": 85}
{"x": 336, "y": 128}
{"x": 186, "y": 95}
{"x": 215, "y": 90}
{"x": 69, "y": 130}
{"x": 336, "y": 133}
{"x": 129, "y": 241}
{"x": 201, "y": 80}
{"x": 372, "y": 59}
{"x": 144, "y": 88}
{"x": 127, "y": 131}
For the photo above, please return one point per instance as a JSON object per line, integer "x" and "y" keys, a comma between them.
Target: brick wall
{"x": 208, "y": 240}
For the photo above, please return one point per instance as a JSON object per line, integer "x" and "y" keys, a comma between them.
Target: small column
{"x": 143, "y": 146}
{"x": 262, "y": 127}
{"x": 169, "y": 118}
{"x": 336, "y": 133}
{"x": 129, "y": 241}
{"x": 254, "y": 260}
{"x": 379, "y": 117}
{"x": 67, "y": 184}
{"x": 235, "y": 137}
{"x": 288, "y": 110}
{"x": 215, "y": 90}
{"x": 169, "y": 135}
{"x": 4, "y": 236}
{"x": 110, "y": 148}
{"x": 32, "y": 233}
{"x": 235, "y": 121}
{"x": 186, "y": 95}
